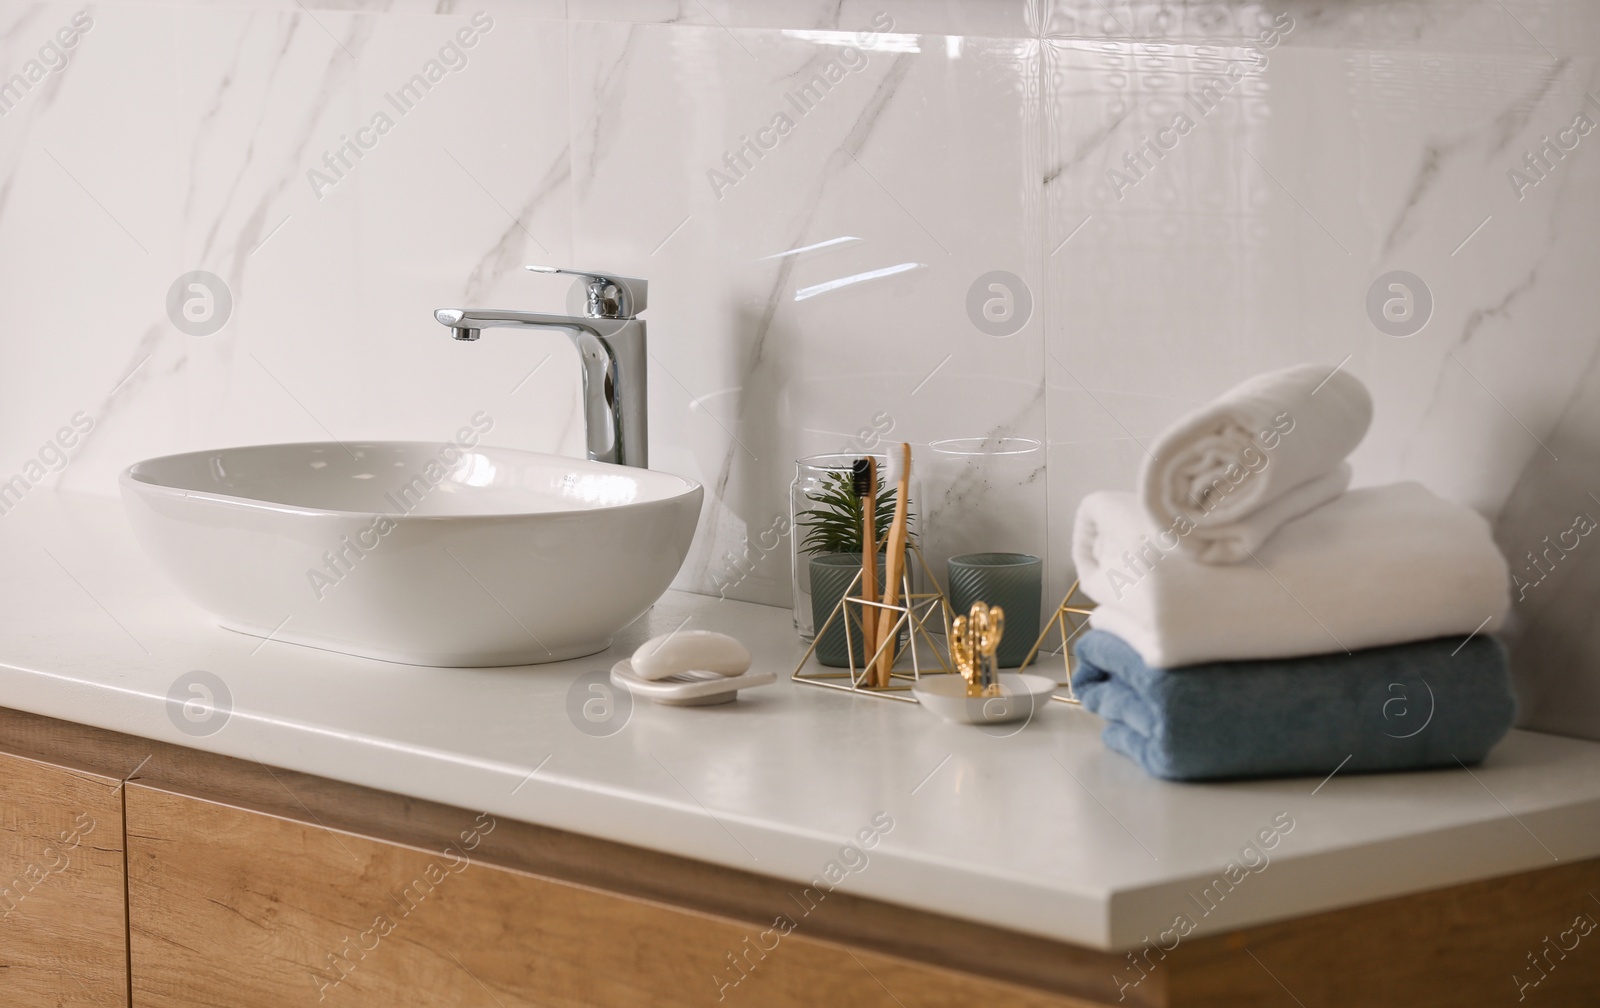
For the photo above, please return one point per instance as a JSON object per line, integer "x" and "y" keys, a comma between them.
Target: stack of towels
{"x": 1255, "y": 617}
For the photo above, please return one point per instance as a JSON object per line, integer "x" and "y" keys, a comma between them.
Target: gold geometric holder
{"x": 915, "y": 610}
{"x": 1064, "y": 615}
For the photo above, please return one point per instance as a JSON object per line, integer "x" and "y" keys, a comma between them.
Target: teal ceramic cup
{"x": 831, "y": 575}
{"x": 1012, "y": 581}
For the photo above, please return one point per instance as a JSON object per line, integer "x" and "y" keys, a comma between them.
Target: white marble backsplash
{"x": 1150, "y": 199}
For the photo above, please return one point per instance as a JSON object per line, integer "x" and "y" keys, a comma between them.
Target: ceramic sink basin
{"x": 415, "y": 552}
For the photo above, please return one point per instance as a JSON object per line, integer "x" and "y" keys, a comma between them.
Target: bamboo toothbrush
{"x": 893, "y": 566}
{"x": 865, "y": 476}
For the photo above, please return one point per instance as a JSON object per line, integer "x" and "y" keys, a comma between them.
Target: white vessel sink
{"x": 414, "y": 552}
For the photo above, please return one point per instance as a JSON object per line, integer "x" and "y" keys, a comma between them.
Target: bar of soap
{"x": 690, "y": 651}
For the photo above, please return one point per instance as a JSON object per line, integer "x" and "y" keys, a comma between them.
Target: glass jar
{"x": 812, "y": 475}
{"x": 989, "y": 494}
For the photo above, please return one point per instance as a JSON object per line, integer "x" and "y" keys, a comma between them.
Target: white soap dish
{"x": 1022, "y": 695}
{"x": 687, "y": 689}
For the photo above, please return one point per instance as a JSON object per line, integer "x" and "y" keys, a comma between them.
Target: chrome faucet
{"x": 610, "y": 338}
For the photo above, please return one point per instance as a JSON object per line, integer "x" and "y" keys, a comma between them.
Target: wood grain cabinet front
{"x": 63, "y": 929}
{"x": 238, "y": 908}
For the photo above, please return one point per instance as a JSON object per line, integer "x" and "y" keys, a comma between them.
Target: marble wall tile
{"x": 1546, "y": 531}
{"x": 334, "y": 275}
{"x": 89, "y": 190}
{"x": 773, "y": 338}
{"x": 1002, "y": 18}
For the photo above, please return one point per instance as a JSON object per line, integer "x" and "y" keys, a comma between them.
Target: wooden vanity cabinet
{"x": 63, "y": 929}
{"x": 238, "y": 908}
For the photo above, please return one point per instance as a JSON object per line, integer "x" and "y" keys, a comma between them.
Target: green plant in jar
{"x": 833, "y": 525}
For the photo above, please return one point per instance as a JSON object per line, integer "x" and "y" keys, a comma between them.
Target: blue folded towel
{"x": 1404, "y": 707}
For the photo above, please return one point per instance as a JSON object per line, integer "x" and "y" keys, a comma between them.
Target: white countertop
{"x": 1044, "y": 831}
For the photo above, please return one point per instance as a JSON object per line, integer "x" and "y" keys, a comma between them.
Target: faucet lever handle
{"x": 610, "y": 295}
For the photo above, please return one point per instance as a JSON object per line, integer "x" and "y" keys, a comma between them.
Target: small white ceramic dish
{"x": 687, "y": 689}
{"x": 413, "y": 552}
{"x": 1023, "y": 695}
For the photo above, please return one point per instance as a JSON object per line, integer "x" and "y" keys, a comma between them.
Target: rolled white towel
{"x": 1376, "y": 566}
{"x": 1263, "y": 453}
{"x": 1236, "y": 541}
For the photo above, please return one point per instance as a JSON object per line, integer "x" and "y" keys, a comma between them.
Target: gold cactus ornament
{"x": 974, "y": 639}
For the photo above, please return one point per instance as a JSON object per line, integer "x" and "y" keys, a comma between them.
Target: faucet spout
{"x": 614, "y": 358}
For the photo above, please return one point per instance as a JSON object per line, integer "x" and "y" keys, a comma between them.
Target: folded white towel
{"x": 1377, "y": 566}
{"x": 1265, "y": 452}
